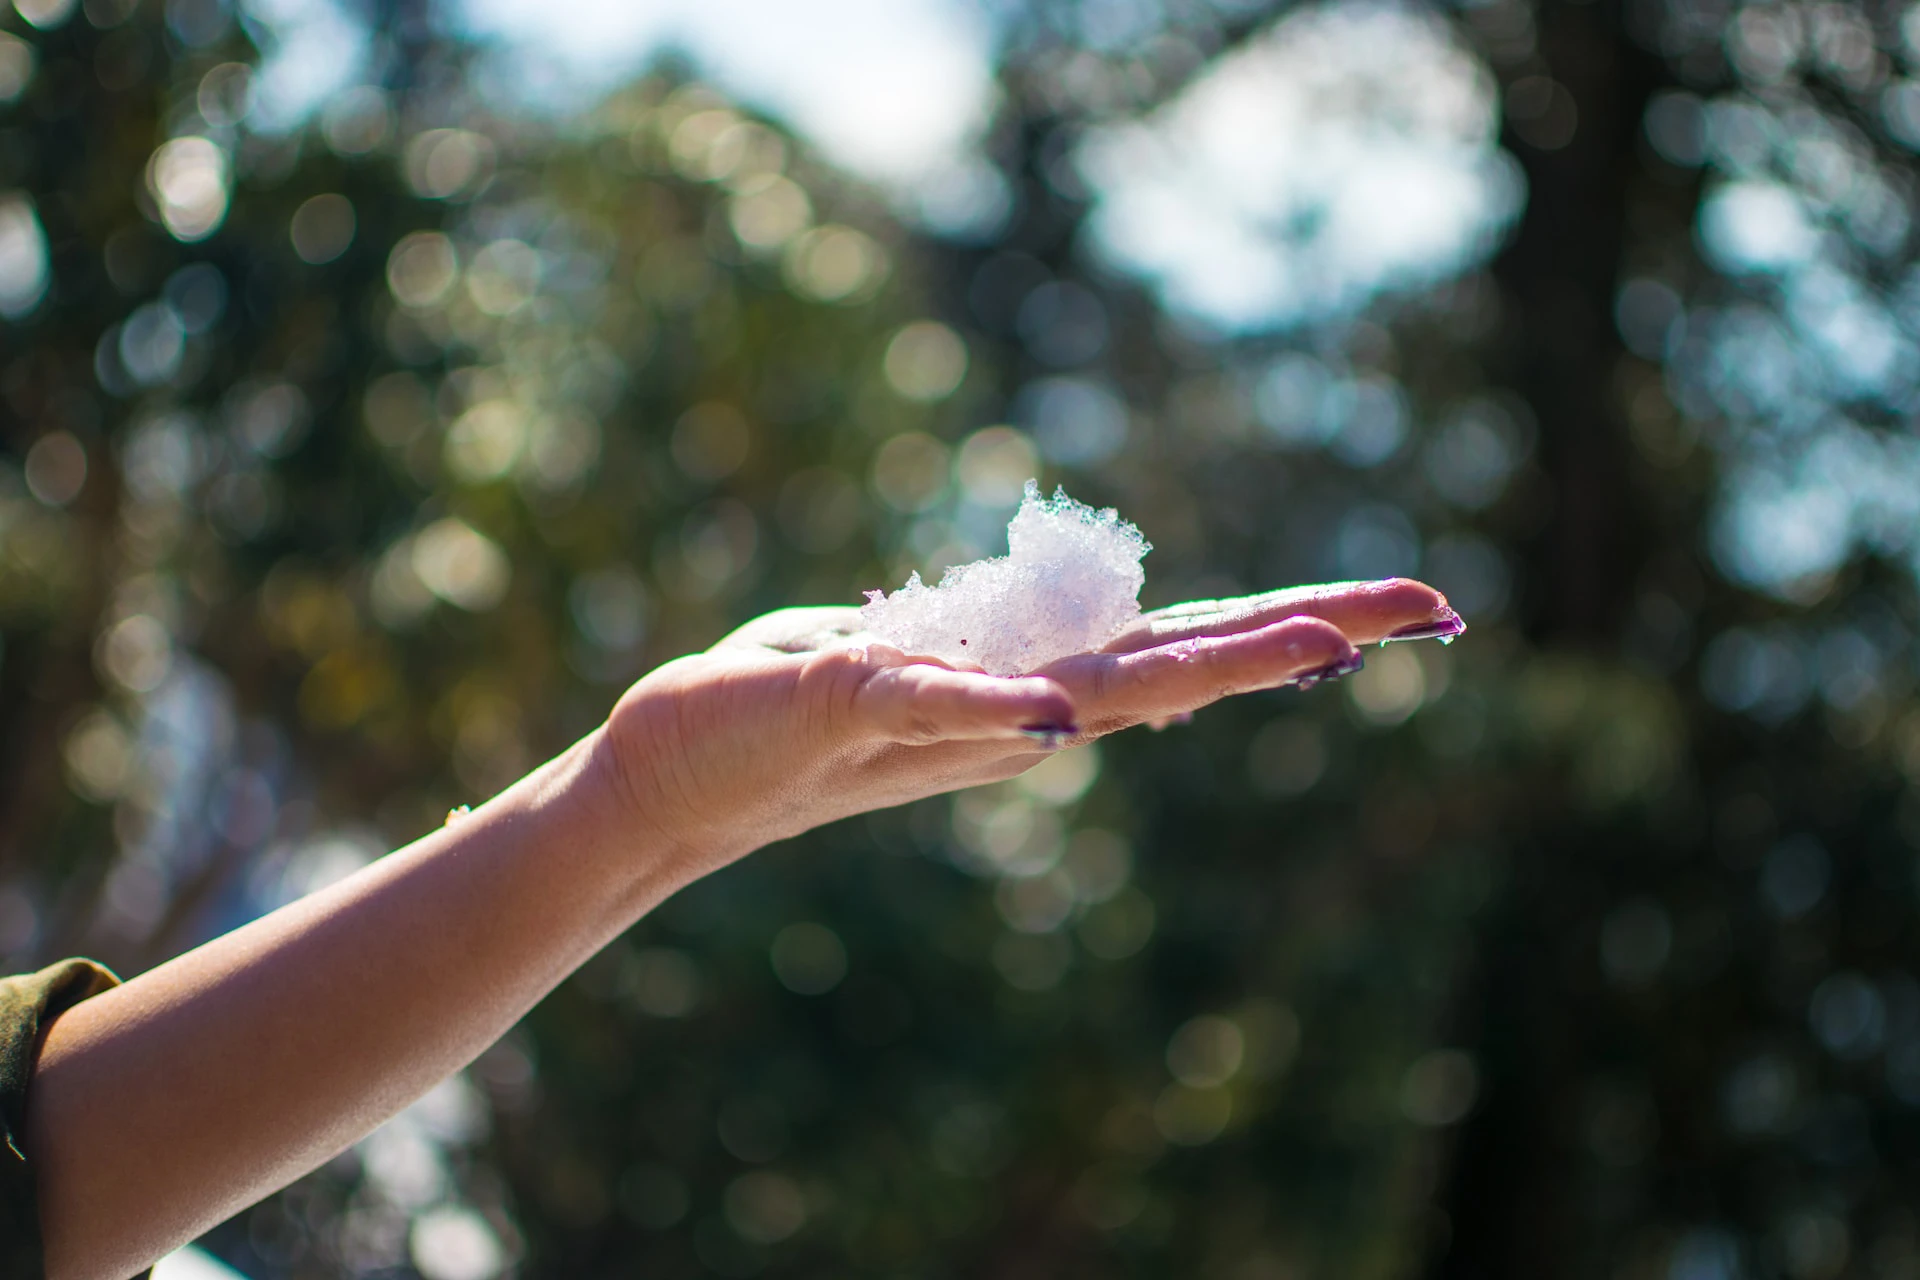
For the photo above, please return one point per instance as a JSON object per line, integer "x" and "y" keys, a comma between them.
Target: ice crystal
{"x": 1069, "y": 582}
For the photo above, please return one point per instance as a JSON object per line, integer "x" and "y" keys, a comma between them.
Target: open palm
{"x": 799, "y": 717}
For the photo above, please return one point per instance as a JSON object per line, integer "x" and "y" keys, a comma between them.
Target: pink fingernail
{"x": 1049, "y": 735}
{"x": 1332, "y": 671}
{"x": 1444, "y": 629}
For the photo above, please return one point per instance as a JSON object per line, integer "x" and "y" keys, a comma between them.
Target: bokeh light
{"x": 385, "y": 403}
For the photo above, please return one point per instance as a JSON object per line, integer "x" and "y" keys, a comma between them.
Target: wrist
{"x": 661, "y": 774}
{"x": 588, "y": 798}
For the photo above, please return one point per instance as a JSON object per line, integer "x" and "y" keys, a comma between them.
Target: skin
{"x": 166, "y": 1105}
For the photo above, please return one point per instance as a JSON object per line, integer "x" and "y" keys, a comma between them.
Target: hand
{"x": 799, "y": 717}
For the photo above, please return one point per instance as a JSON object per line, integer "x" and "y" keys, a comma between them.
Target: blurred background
{"x": 384, "y": 384}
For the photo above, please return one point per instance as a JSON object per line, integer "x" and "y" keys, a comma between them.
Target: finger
{"x": 919, "y": 703}
{"x": 1114, "y": 690}
{"x": 1366, "y": 612}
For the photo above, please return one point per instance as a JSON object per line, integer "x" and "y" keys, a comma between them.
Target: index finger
{"x": 1365, "y": 612}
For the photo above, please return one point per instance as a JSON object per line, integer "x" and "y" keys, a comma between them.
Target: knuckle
{"x": 829, "y": 685}
{"x": 1100, "y": 679}
{"x": 835, "y": 669}
{"x": 919, "y": 730}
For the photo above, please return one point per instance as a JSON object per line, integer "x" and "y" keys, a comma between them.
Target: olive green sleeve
{"x": 29, "y": 1003}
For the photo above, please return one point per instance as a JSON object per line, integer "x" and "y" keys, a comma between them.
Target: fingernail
{"x": 1443, "y": 629}
{"x": 1332, "y": 671}
{"x": 1050, "y": 736}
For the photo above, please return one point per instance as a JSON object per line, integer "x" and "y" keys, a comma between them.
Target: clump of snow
{"x": 1069, "y": 582}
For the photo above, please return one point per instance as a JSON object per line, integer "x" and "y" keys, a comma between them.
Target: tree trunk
{"x": 1508, "y": 1198}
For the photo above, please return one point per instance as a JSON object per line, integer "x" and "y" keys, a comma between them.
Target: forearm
{"x": 164, "y": 1106}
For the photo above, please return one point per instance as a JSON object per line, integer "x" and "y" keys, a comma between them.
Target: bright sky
{"x": 1349, "y": 151}
{"x": 893, "y": 90}
{"x": 887, "y": 87}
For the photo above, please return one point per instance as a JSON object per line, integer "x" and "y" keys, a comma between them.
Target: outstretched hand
{"x": 799, "y": 717}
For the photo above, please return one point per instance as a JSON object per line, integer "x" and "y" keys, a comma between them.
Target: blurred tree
{"x": 351, "y": 469}
{"x": 1695, "y": 1021}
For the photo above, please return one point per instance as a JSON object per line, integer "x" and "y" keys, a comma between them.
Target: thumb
{"x": 914, "y": 702}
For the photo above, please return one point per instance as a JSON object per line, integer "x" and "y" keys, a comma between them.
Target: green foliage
{"x": 349, "y": 472}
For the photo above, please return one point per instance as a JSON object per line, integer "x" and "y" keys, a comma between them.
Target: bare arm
{"x": 165, "y": 1105}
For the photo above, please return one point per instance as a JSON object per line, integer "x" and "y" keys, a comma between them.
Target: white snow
{"x": 1069, "y": 582}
